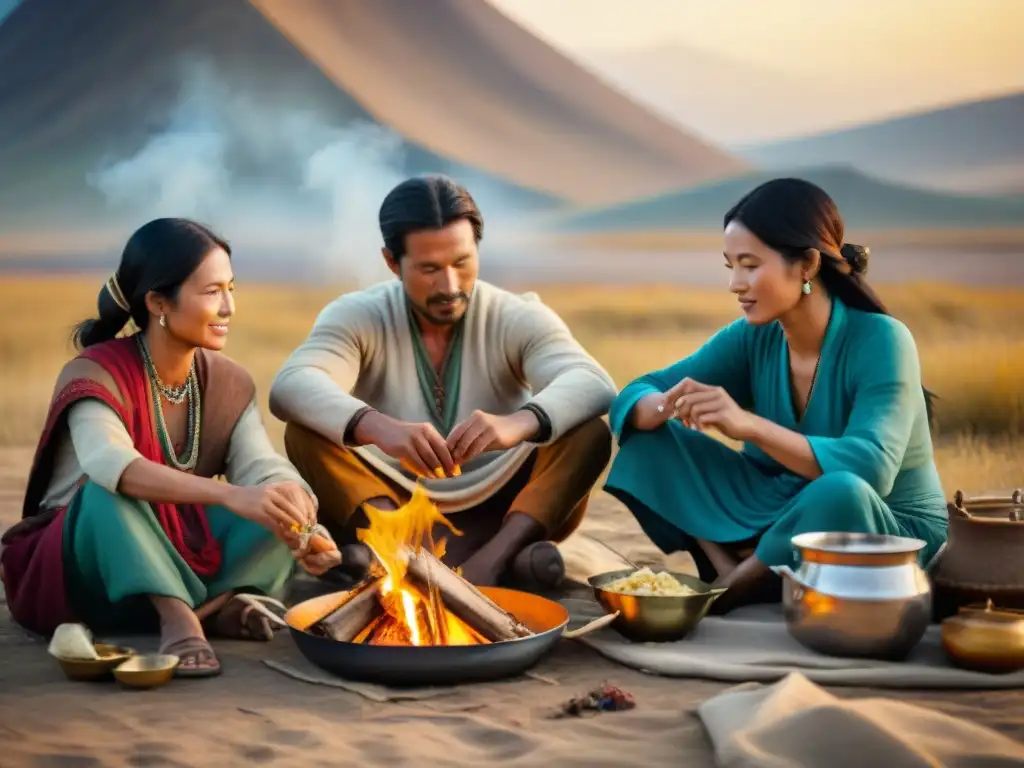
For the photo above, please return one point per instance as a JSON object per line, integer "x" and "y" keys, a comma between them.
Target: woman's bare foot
{"x": 181, "y": 634}
{"x": 721, "y": 560}
{"x": 748, "y": 583}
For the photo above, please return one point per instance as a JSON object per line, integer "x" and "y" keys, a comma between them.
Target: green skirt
{"x": 116, "y": 555}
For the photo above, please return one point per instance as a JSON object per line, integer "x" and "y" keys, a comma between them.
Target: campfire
{"x": 411, "y": 598}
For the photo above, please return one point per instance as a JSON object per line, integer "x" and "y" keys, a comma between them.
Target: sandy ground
{"x": 253, "y": 715}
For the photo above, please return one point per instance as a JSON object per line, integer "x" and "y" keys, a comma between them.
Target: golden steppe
{"x": 971, "y": 348}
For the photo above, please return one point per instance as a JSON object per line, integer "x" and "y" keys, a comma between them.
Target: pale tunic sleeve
{"x": 102, "y": 445}
{"x": 567, "y": 384}
{"x": 252, "y": 459}
{"x": 313, "y": 387}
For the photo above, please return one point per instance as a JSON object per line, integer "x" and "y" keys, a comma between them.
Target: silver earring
{"x": 163, "y": 320}
{"x": 806, "y": 288}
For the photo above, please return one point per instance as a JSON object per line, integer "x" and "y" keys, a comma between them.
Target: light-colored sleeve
{"x": 313, "y": 387}
{"x": 722, "y": 361}
{"x": 103, "y": 447}
{"x": 252, "y": 459}
{"x": 886, "y": 391}
{"x": 567, "y": 383}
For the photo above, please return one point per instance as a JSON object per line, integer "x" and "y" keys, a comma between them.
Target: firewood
{"x": 462, "y": 598}
{"x": 348, "y": 620}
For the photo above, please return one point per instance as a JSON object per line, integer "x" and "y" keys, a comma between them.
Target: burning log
{"x": 480, "y": 613}
{"x": 361, "y": 609}
{"x": 412, "y": 597}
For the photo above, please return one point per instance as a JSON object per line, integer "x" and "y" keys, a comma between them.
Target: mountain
{"x": 290, "y": 113}
{"x": 974, "y": 147}
{"x": 469, "y": 83}
{"x": 865, "y": 203}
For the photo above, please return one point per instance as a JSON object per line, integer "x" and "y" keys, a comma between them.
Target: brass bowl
{"x": 110, "y": 657}
{"x": 655, "y": 618}
{"x": 985, "y": 639}
{"x": 147, "y": 671}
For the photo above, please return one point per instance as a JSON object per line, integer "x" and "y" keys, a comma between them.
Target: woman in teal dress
{"x": 820, "y": 385}
{"x": 126, "y": 526}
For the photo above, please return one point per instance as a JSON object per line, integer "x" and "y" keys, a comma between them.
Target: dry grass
{"x": 971, "y": 351}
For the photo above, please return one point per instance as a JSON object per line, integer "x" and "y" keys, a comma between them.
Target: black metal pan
{"x": 437, "y": 665}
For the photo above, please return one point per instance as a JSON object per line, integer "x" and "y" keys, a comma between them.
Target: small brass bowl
{"x": 985, "y": 639}
{"x": 110, "y": 657}
{"x": 147, "y": 671}
{"x": 655, "y": 618}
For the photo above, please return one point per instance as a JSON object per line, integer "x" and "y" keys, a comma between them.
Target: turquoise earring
{"x": 807, "y": 287}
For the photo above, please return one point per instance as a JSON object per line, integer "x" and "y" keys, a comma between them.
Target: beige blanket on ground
{"x": 795, "y": 723}
{"x": 753, "y": 644}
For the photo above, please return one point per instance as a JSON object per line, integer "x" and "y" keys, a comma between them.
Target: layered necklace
{"x": 176, "y": 396}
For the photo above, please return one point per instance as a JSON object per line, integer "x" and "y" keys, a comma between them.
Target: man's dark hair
{"x": 425, "y": 202}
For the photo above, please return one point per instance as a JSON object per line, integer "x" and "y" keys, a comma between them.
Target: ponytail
{"x": 111, "y": 320}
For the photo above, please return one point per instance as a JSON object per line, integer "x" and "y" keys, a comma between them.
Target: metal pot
{"x": 443, "y": 664}
{"x": 857, "y": 594}
{"x": 655, "y": 618}
{"x": 985, "y": 638}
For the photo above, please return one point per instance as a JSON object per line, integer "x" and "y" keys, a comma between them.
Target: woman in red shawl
{"x": 124, "y": 526}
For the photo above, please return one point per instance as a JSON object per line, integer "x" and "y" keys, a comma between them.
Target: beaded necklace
{"x": 188, "y": 391}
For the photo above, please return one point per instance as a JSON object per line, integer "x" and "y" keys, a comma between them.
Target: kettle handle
{"x": 1014, "y": 501}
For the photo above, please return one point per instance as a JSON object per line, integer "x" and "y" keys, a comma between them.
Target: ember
{"x": 607, "y": 698}
{"x": 411, "y": 597}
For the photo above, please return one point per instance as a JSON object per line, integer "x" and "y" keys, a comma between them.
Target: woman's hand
{"x": 281, "y": 508}
{"x": 319, "y": 563}
{"x": 315, "y": 550}
{"x": 702, "y": 406}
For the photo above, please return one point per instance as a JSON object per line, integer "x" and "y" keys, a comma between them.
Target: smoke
{"x": 294, "y": 194}
{"x": 183, "y": 172}
{"x": 356, "y": 171}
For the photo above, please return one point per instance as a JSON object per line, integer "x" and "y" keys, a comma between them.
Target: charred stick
{"x": 359, "y": 610}
{"x": 463, "y": 599}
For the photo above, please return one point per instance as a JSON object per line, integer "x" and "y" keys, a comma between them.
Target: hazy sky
{"x": 844, "y": 61}
{"x": 925, "y": 51}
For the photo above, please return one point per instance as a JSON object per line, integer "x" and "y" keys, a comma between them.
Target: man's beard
{"x": 460, "y": 299}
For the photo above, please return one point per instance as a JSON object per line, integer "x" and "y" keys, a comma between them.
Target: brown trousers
{"x": 553, "y": 487}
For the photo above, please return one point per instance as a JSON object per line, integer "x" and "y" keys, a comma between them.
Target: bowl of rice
{"x": 654, "y": 606}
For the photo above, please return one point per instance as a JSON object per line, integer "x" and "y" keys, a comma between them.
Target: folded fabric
{"x": 794, "y": 723}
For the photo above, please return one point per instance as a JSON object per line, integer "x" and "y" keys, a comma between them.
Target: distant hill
{"x": 192, "y": 91}
{"x": 865, "y": 202}
{"x": 975, "y": 147}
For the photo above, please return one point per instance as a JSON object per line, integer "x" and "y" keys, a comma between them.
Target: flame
{"x": 411, "y": 616}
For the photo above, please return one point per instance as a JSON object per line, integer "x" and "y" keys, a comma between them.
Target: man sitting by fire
{"x": 482, "y": 395}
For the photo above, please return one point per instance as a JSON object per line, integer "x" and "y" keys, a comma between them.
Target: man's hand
{"x": 419, "y": 447}
{"x": 484, "y": 432}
